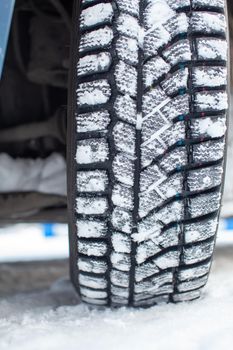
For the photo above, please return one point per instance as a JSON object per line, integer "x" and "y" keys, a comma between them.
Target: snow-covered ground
{"x": 53, "y": 318}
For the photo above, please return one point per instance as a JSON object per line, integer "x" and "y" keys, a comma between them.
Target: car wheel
{"x": 146, "y": 148}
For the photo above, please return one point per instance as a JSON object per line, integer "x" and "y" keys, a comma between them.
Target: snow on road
{"x": 54, "y": 319}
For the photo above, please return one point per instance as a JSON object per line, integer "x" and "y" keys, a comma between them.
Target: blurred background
{"x": 33, "y": 100}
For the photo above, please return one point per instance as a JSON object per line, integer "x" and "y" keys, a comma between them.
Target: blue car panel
{"x": 6, "y": 13}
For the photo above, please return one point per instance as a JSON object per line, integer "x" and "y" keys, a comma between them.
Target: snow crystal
{"x": 158, "y": 13}
{"x": 89, "y": 181}
{"x": 96, "y": 39}
{"x": 94, "y": 63}
{"x": 144, "y": 233}
{"x": 90, "y": 206}
{"x": 121, "y": 243}
{"x": 208, "y": 22}
{"x": 120, "y": 278}
{"x": 126, "y": 78}
{"x": 124, "y": 138}
{"x": 91, "y": 151}
{"x": 122, "y": 220}
{"x": 91, "y": 229}
{"x": 92, "y": 282}
{"x": 93, "y": 293}
{"x": 122, "y": 196}
{"x": 93, "y": 93}
{"x": 128, "y": 25}
{"x": 92, "y": 265}
{"x": 99, "y": 13}
{"x": 212, "y": 48}
{"x": 127, "y": 49}
{"x": 92, "y": 249}
{"x": 213, "y": 128}
{"x": 210, "y": 76}
{"x": 211, "y": 101}
{"x": 120, "y": 261}
{"x": 154, "y": 69}
{"x": 93, "y": 121}
{"x": 123, "y": 167}
{"x": 167, "y": 260}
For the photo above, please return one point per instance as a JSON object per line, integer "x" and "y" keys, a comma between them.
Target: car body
{"x": 6, "y": 13}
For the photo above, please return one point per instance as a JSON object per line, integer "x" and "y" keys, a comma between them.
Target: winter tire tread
{"x": 148, "y": 129}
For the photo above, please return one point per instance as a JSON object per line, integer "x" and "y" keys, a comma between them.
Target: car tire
{"x": 147, "y": 117}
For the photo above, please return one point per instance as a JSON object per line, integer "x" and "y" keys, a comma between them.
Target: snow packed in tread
{"x": 147, "y": 81}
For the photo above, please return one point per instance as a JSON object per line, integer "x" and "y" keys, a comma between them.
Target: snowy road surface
{"x": 52, "y": 318}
